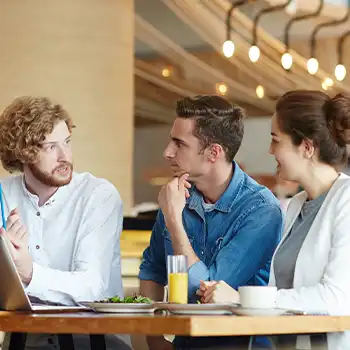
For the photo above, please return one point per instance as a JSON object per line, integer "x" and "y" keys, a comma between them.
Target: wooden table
{"x": 91, "y": 323}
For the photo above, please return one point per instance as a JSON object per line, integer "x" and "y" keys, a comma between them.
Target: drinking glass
{"x": 177, "y": 279}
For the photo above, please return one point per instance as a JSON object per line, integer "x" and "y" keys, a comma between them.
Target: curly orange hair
{"x": 23, "y": 125}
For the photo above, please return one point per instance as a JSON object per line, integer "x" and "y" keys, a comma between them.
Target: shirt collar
{"x": 35, "y": 199}
{"x": 227, "y": 199}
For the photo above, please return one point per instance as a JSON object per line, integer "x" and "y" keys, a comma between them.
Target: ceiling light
{"x": 221, "y": 89}
{"x": 254, "y": 53}
{"x": 340, "y": 72}
{"x": 287, "y": 61}
{"x": 312, "y": 65}
{"x": 166, "y": 72}
{"x": 228, "y": 48}
{"x": 260, "y": 91}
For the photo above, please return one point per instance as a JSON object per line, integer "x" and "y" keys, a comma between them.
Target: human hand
{"x": 218, "y": 293}
{"x": 203, "y": 287}
{"x": 16, "y": 237}
{"x": 172, "y": 198}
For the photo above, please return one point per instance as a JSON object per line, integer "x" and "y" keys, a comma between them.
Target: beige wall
{"x": 149, "y": 144}
{"x": 80, "y": 53}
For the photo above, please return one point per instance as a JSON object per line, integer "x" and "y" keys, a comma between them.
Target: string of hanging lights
{"x": 287, "y": 59}
{"x": 340, "y": 70}
{"x": 312, "y": 64}
{"x": 228, "y": 48}
{"x": 254, "y": 51}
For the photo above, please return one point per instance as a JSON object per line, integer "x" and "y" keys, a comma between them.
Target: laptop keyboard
{"x": 35, "y": 301}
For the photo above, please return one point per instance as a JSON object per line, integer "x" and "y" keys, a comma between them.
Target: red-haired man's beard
{"x": 60, "y": 176}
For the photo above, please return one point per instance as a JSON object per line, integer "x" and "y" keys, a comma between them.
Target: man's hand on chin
{"x": 172, "y": 199}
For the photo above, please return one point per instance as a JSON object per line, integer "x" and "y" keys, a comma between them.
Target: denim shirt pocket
{"x": 168, "y": 246}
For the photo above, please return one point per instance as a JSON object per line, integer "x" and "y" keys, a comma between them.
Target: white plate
{"x": 195, "y": 309}
{"x": 242, "y": 311}
{"x": 120, "y": 307}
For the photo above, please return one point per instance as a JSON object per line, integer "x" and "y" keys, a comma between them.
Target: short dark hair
{"x": 313, "y": 115}
{"x": 216, "y": 121}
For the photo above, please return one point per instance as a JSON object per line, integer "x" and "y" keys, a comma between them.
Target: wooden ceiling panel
{"x": 198, "y": 72}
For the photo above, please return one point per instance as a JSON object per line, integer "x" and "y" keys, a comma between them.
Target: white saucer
{"x": 242, "y": 311}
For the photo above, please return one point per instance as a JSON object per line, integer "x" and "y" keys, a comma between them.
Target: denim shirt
{"x": 234, "y": 242}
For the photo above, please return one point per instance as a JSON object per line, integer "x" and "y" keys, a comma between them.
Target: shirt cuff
{"x": 38, "y": 282}
{"x": 147, "y": 275}
{"x": 196, "y": 272}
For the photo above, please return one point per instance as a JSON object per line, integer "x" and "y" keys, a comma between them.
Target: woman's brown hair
{"x": 23, "y": 125}
{"x": 313, "y": 115}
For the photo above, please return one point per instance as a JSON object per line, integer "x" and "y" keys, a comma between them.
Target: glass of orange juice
{"x": 177, "y": 279}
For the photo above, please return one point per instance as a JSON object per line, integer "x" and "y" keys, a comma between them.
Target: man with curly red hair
{"x": 63, "y": 228}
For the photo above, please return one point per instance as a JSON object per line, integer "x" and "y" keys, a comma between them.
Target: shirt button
{"x": 37, "y": 247}
{"x": 202, "y": 252}
{"x": 38, "y": 213}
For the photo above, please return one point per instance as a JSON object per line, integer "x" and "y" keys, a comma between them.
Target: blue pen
{"x": 2, "y": 208}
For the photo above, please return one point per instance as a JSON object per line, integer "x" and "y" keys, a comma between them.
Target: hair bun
{"x": 338, "y": 117}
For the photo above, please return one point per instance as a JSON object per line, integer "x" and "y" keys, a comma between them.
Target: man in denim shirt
{"x": 226, "y": 224}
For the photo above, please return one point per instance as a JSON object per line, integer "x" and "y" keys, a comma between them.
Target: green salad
{"x": 137, "y": 299}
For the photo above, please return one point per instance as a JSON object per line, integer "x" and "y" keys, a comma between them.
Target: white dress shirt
{"x": 74, "y": 238}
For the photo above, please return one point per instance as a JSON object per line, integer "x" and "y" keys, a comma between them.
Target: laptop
{"x": 12, "y": 293}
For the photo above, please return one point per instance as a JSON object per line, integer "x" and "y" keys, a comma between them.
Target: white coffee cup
{"x": 259, "y": 297}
